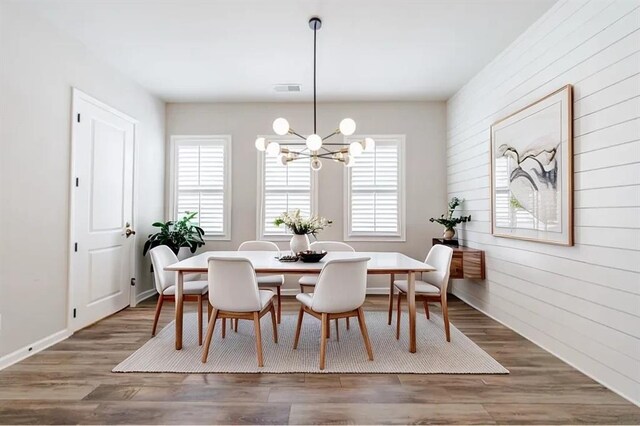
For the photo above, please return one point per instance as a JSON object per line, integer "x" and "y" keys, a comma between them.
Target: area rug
{"x": 237, "y": 352}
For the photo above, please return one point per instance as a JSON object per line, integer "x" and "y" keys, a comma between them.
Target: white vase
{"x": 299, "y": 243}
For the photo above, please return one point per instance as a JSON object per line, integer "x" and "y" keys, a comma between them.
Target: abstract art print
{"x": 531, "y": 171}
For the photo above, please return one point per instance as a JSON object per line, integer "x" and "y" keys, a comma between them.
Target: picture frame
{"x": 531, "y": 160}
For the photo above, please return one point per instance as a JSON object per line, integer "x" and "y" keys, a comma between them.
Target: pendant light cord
{"x": 315, "y": 29}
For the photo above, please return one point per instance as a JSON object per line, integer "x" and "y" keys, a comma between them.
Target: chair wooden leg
{"x": 347, "y": 323}
{"x": 209, "y": 309}
{"x": 426, "y": 307}
{"x": 445, "y": 316}
{"x": 224, "y": 327}
{"x": 390, "y": 299}
{"x": 274, "y": 323}
{"x": 365, "y": 333}
{"x": 207, "y": 342}
{"x": 256, "y": 325}
{"x": 235, "y": 325}
{"x": 157, "y": 317}
{"x": 399, "y": 315}
{"x": 279, "y": 304}
{"x": 324, "y": 331}
{"x": 199, "y": 298}
{"x": 298, "y": 328}
{"x": 337, "y": 331}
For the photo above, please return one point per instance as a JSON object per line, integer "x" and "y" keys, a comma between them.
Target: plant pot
{"x": 184, "y": 253}
{"x": 449, "y": 233}
{"x": 299, "y": 243}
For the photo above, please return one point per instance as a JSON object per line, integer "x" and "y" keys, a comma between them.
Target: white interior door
{"x": 102, "y": 238}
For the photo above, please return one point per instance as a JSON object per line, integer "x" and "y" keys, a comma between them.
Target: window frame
{"x": 283, "y": 141}
{"x": 225, "y": 140}
{"x": 400, "y": 236}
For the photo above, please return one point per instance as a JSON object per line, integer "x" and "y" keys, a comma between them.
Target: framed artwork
{"x": 532, "y": 171}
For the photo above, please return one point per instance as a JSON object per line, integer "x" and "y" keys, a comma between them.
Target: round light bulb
{"x": 355, "y": 149}
{"x": 347, "y": 127}
{"x": 283, "y": 159}
{"x": 281, "y": 126}
{"x": 314, "y": 142}
{"x": 273, "y": 148}
{"x": 369, "y": 145}
{"x": 316, "y": 164}
{"x": 261, "y": 144}
{"x": 349, "y": 161}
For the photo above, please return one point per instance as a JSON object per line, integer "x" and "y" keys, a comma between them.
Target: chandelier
{"x": 314, "y": 146}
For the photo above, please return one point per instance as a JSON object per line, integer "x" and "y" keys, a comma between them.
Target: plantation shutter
{"x": 375, "y": 192}
{"x": 285, "y": 188}
{"x": 201, "y": 183}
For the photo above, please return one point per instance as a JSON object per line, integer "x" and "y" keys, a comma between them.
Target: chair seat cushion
{"x": 190, "y": 287}
{"x": 308, "y": 280}
{"x": 265, "y": 297}
{"x": 421, "y": 287}
{"x": 270, "y": 280}
{"x": 305, "y": 298}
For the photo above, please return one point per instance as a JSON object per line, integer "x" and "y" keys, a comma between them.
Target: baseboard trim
{"x": 466, "y": 298}
{"x": 373, "y": 290}
{"x": 145, "y": 295}
{"x": 34, "y": 348}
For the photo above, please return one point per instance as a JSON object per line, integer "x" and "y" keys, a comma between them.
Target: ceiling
{"x": 236, "y": 50}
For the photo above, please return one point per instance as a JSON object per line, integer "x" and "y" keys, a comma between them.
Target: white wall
{"x": 582, "y": 303}
{"x": 38, "y": 67}
{"x": 422, "y": 122}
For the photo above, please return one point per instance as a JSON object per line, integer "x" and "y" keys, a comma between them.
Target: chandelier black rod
{"x": 315, "y": 31}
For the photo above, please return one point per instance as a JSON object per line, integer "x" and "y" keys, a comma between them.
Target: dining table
{"x": 380, "y": 263}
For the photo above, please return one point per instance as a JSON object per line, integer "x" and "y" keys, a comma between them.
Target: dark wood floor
{"x": 72, "y": 383}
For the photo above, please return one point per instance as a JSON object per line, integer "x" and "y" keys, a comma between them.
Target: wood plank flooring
{"x": 72, "y": 382}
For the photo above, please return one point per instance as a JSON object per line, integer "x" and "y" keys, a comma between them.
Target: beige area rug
{"x": 237, "y": 352}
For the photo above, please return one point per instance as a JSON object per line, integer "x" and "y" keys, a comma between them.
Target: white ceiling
{"x": 236, "y": 50}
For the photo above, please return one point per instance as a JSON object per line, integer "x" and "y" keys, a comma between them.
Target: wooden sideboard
{"x": 466, "y": 263}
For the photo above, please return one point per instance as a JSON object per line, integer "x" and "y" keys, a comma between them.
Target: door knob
{"x": 129, "y": 232}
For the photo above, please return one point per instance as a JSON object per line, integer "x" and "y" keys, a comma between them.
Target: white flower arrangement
{"x": 302, "y": 226}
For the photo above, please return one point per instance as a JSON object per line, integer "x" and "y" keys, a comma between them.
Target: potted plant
{"x": 449, "y": 222}
{"x": 176, "y": 235}
{"x": 301, "y": 228}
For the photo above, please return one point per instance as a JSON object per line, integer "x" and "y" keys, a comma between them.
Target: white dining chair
{"x": 311, "y": 280}
{"x": 432, "y": 287}
{"x": 194, "y": 290}
{"x": 234, "y": 294}
{"x": 339, "y": 293}
{"x": 266, "y": 281}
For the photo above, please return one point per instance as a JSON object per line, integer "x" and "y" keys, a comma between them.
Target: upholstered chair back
{"x": 342, "y": 285}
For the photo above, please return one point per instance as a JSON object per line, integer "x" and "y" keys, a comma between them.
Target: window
{"x": 200, "y": 182}
{"x": 283, "y": 189}
{"x": 374, "y": 194}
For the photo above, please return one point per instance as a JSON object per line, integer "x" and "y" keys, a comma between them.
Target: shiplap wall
{"x": 581, "y": 303}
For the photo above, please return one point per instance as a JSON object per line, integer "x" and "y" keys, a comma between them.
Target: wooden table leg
{"x": 411, "y": 301}
{"x": 179, "y": 309}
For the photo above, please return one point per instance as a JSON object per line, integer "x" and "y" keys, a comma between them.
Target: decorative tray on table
{"x": 288, "y": 258}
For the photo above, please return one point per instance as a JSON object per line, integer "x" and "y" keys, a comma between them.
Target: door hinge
{"x": 74, "y": 312}
{"x": 77, "y": 182}
{"x": 75, "y": 247}
{"x": 133, "y": 282}
{"x": 78, "y": 118}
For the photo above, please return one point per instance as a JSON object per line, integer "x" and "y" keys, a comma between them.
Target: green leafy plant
{"x": 302, "y": 226}
{"x": 176, "y": 234}
{"x": 448, "y": 221}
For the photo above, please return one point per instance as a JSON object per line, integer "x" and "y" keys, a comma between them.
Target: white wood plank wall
{"x": 581, "y": 303}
